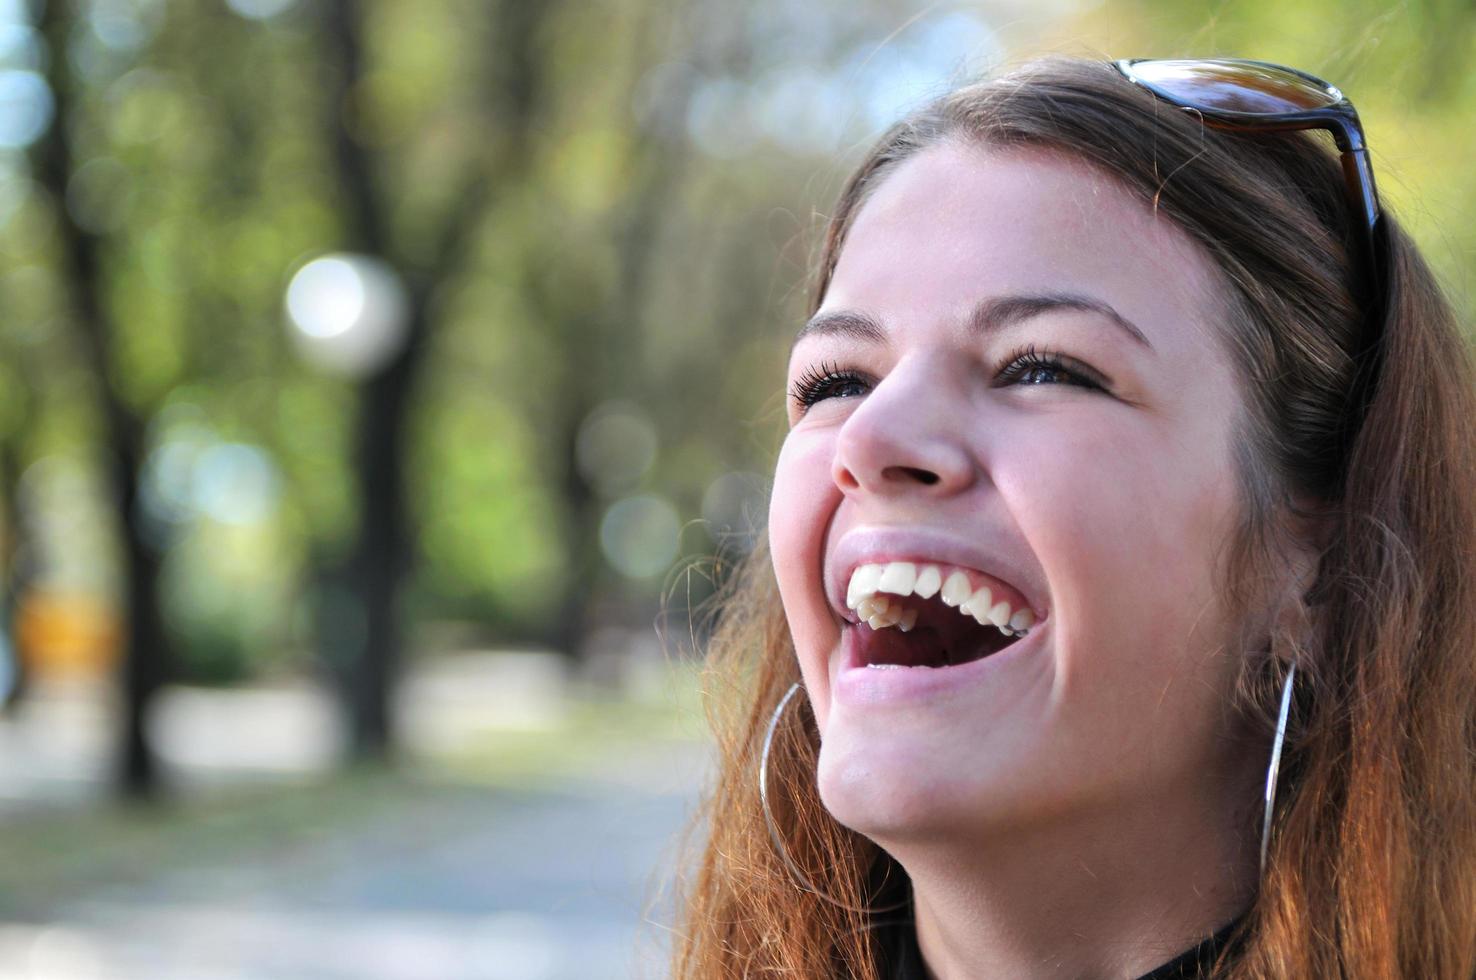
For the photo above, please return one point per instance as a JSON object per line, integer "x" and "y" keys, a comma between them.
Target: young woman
{"x": 1117, "y": 614}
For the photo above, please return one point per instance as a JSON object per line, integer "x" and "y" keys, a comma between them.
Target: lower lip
{"x": 856, "y": 684}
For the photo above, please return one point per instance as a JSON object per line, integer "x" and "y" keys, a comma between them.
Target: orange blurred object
{"x": 62, "y": 634}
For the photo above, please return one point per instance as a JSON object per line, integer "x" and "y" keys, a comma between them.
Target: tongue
{"x": 925, "y": 647}
{"x": 920, "y": 648}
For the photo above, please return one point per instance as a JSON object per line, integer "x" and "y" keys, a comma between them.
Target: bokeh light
{"x": 167, "y": 483}
{"x": 639, "y": 535}
{"x": 236, "y": 483}
{"x": 21, "y": 46}
{"x": 733, "y": 509}
{"x": 124, "y": 25}
{"x": 349, "y": 313}
{"x": 260, "y": 9}
{"x": 26, "y": 107}
{"x": 605, "y": 278}
{"x": 616, "y": 446}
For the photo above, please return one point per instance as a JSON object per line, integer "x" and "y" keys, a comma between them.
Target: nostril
{"x": 926, "y": 477}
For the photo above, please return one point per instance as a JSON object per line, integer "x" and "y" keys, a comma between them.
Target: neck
{"x": 1112, "y": 900}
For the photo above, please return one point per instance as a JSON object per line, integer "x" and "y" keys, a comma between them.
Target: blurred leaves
{"x": 637, "y": 235}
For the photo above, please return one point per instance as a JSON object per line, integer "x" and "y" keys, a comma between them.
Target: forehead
{"x": 957, "y": 224}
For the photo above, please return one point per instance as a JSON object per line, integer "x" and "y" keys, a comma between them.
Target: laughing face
{"x": 999, "y": 516}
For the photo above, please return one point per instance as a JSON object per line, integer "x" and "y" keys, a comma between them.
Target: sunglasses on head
{"x": 1257, "y": 96}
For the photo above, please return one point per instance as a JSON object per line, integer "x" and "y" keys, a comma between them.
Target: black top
{"x": 903, "y": 959}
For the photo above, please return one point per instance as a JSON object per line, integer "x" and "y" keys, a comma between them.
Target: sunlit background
{"x": 382, "y": 387}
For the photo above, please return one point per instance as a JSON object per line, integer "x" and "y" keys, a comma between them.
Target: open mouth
{"x": 940, "y": 638}
{"x": 924, "y": 615}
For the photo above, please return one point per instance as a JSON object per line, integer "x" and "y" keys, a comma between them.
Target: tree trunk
{"x": 383, "y": 551}
{"x": 145, "y": 654}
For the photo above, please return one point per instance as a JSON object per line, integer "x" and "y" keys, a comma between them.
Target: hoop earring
{"x": 1274, "y": 769}
{"x": 798, "y": 877}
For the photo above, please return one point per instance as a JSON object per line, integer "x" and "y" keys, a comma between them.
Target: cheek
{"x": 794, "y": 504}
{"x": 803, "y": 502}
{"x": 1130, "y": 535}
{"x": 804, "y": 496}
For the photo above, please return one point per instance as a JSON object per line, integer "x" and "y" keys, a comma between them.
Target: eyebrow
{"x": 987, "y": 317}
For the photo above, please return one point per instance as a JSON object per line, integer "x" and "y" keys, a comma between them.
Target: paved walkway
{"x": 561, "y": 885}
{"x": 562, "y": 881}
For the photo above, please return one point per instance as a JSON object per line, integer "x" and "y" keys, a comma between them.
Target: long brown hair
{"x": 1372, "y": 869}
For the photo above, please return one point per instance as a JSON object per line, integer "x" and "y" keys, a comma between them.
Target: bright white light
{"x": 349, "y": 313}
{"x": 326, "y": 297}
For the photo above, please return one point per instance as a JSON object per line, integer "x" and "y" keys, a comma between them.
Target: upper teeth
{"x": 870, "y": 585}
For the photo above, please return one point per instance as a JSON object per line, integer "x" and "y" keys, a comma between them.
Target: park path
{"x": 563, "y": 879}
{"x": 552, "y": 884}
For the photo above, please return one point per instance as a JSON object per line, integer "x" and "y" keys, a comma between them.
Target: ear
{"x": 1308, "y": 528}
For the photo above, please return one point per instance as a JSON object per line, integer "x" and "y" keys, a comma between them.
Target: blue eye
{"x": 1025, "y": 366}
{"x": 1029, "y": 367}
{"x": 827, "y": 381}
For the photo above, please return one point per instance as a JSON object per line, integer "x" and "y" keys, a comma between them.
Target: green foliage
{"x": 487, "y": 532}
{"x": 616, "y": 249}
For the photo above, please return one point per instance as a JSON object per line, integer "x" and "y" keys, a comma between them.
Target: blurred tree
{"x": 145, "y": 653}
{"x": 601, "y": 214}
{"x": 12, "y": 578}
{"x": 382, "y": 553}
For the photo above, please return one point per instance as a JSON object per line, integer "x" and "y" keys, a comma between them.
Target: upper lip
{"x": 867, "y": 545}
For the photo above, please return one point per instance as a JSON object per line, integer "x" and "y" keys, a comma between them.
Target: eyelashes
{"x": 826, "y": 380}
{"x": 1024, "y": 365}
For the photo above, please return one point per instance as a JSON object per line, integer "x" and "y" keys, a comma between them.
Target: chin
{"x": 897, "y": 790}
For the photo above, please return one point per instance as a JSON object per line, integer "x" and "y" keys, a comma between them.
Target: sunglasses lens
{"x": 1235, "y": 86}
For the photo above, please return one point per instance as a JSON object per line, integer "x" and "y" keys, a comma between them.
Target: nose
{"x": 907, "y": 436}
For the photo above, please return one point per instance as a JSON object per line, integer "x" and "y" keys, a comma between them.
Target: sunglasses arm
{"x": 1362, "y": 196}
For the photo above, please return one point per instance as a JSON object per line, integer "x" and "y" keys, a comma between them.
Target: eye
{"x": 827, "y": 381}
{"x": 1028, "y": 366}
